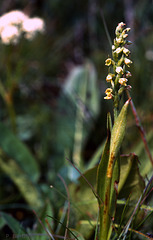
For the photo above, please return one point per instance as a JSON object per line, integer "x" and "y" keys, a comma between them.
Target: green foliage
{"x": 52, "y": 108}
{"x": 28, "y": 189}
{"x": 108, "y": 173}
{"x": 16, "y": 150}
{"x": 12, "y": 223}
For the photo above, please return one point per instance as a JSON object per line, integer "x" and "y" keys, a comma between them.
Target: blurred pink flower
{"x": 10, "y": 34}
{"x": 12, "y": 18}
{"x": 15, "y": 23}
{"x": 31, "y": 26}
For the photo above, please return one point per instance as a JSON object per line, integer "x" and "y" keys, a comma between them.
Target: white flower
{"x": 125, "y": 35}
{"x": 123, "y": 81}
{"x": 109, "y": 77}
{"x": 127, "y": 61}
{"x": 118, "y": 50}
{"x": 12, "y": 18}
{"x": 126, "y": 51}
{"x": 119, "y": 70}
{"x": 10, "y": 34}
{"x": 31, "y": 26}
{"x": 119, "y": 40}
{"x": 113, "y": 47}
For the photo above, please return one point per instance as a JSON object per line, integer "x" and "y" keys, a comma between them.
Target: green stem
{"x": 116, "y": 105}
{"x": 12, "y": 115}
{"x": 106, "y": 218}
{"x": 7, "y": 97}
{"x": 116, "y": 112}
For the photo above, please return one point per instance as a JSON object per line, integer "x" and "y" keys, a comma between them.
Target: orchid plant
{"x": 109, "y": 167}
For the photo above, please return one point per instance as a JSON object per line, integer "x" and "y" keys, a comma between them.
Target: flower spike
{"x": 118, "y": 64}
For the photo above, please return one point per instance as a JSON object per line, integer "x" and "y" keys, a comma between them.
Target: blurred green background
{"x": 58, "y": 83}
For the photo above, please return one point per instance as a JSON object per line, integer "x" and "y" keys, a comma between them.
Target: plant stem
{"x": 8, "y": 99}
{"x": 115, "y": 113}
{"x": 12, "y": 115}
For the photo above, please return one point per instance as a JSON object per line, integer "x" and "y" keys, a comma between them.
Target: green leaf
{"x": 102, "y": 181}
{"x": 114, "y": 186}
{"x": 139, "y": 149}
{"x": 76, "y": 234}
{"x": 78, "y": 77}
{"x": 109, "y": 167}
{"x": 2, "y": 223}
{"x": 102, "y": 170}
{"x": 118, "y": 131}
{"x": 27, "y": 188}
{"x": 131, "y": 183}
{"x": 131, "y": 186}
{"x": 82, "y": 196}
{"x": 12, "y": 223}
{"x": 18, "y": 151}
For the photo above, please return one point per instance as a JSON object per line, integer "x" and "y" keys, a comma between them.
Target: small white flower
{"x": 127, "y": 61}
{"x": 125, "y": 35}
{"x": 118, "y": 50}
{"x": 119, "y": 70}
{"x": 10, "y": 34}
{"x": 31, "y": 26}
{"x": 109, "y": 77}
{"x": 123, "y": 81}
{"x": 113, "y": 47}
{"x": 126, "y": 51}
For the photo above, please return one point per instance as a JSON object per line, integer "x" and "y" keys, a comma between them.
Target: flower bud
{"x": 128, "y": 42}
{"x": 121, "y": 90}
{"x": 120, "y": 27}
{"x": 128, "y": 74}
{"x": 127, "y": 30}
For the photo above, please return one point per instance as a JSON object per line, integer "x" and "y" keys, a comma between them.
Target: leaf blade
{"x": 18, "y": 151}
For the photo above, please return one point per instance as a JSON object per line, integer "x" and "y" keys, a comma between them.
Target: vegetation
{"x": 75, "y": 158}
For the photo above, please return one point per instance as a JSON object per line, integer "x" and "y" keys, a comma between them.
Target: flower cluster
{"x": 118, "y": 64}
{"x": 15, "y": 24}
